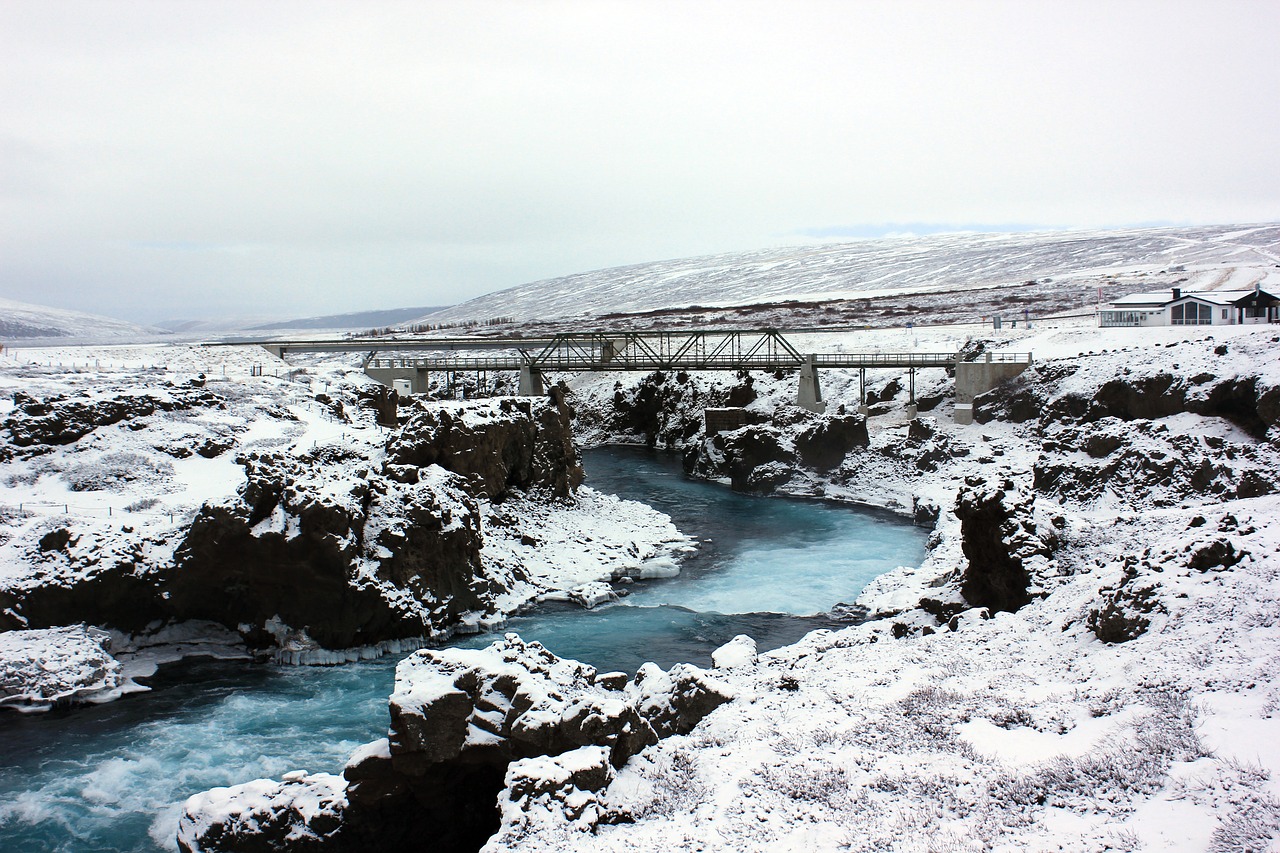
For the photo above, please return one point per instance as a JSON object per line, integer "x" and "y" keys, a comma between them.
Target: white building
{"x": 1176, "y": 307}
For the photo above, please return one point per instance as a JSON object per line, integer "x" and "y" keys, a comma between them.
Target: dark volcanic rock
{"x": 330, "y": 566}
{"x": 62, "y": 420}
{"x": 464, "y": 725}
{"x": 1244, "y": 400}
{"x": 89, "y": 577}
{"x": 500, "y": 445}
{"x": 825, "y": 443}
{"x": 322, "y": 549}
{"x": 1145, "y": 461}
{"x": 745, "y": 450}
{"x": 661, "y": 409}
{"x": 1126, "y": 608}
{"x": 997, "y": 536}
{"x": 1218, "y": 554}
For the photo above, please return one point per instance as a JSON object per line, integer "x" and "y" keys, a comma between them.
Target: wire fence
{"x": 210, "y": 372}
{"x": 29, "y": 509}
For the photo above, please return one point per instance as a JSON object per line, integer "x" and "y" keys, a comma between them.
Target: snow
{"x": 42, "y": 669}
{"x": 549, "y": 549}
{"x": 1204, "y": 258}
{"x": 1012, "y": 731}
{"x": 740, "y": 651}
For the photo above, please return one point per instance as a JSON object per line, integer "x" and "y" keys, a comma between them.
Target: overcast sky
{"x": 176, "y": 159}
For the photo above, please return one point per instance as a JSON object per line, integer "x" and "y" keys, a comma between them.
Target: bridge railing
{"x": 885, "y": 359}
{"x": 627, "y": 361}
{"x": 1004, "y": 357}
{"x": 597, "y": 362}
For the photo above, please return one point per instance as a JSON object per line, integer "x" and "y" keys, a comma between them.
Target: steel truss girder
{"x": 693, "y": 350}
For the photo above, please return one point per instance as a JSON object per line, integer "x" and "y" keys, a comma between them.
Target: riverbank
{"x": 233, "y": 512}
{"x": 1114, "y": 517}
{"x": 1084, "y": 660}
{"x": 114, "y": 776}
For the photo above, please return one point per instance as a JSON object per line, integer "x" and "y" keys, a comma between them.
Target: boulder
{"x": 43, "y": 669}
{"x": 331, "y": 554}
{"x": 825, "y": 443}
{"x": 265, "y": 816}
{"x": 740, "y": 452}
{"x": 675, "y": 701}
{"x": 498, "y": 445}
{"x": 477, "y": 737}
{"x": 998, "y": 534}
{"x": 1124, "y": 613}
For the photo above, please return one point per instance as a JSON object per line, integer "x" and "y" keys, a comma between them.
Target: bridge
{"x": 580, "y": 352}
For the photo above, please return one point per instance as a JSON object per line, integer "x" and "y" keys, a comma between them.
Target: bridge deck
{"x": 712, "y": 349}
{"x": 584, "y": 364}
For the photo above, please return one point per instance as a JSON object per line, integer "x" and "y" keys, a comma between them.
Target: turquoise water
{"x": 113, "y": 777}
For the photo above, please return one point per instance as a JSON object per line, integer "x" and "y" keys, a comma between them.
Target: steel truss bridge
{"x": 648, "y": 351}
{"x": 577, "y": 352}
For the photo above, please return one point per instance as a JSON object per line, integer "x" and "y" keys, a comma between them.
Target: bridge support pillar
{"x": 531, "y": 381}
{"x": 418, "y": 377}
{"x": 810, "y": 394}
{"x": 978, "y": 377}
{"x": 912, "y": 408}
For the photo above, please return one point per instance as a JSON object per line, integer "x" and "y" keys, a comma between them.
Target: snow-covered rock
{"x": 301, "y": 812}
{"x": 42, "y": 669}
{"x": 137, "y": 497}
{"x": 508, "y": 733}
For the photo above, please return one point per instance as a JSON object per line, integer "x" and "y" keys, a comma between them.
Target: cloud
{"x": 161, "y": 158}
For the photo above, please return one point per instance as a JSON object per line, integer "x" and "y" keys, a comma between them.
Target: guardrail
{"x": 1004, "y": 357}
{"x": 627, "y": 362}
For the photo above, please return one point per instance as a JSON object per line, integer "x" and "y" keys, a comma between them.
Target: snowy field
{"x": 923, "y": 276}
{"x": 1022, "y": 731}
{"x": 128, "y": 490}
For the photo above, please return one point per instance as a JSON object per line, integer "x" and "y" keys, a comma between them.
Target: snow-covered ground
{"x": 125, "y": 492}
{"x": 1078, "y": 262}
{"x": 1014, "y": 730}
{"x": 1022, "y": 731}
{"x": 22, "y": 320}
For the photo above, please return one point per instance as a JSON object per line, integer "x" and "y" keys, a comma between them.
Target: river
{"x": 113, "y": 777}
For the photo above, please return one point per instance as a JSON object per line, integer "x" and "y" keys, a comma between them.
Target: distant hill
{"x": 1196, "y": 257}
{"x": 356, "y": 320}
{"x": 24, "y": 321}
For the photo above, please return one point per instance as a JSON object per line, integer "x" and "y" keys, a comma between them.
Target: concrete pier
{"x": 418, "y": 377}
{"x": 809, "y": 395}
{"x": 978, "y": 377}
{"x": 531, "y": 382}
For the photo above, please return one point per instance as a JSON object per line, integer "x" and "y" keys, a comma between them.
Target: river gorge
{"x": 113, "y": 777}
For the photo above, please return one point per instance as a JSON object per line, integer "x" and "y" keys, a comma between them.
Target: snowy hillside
{"x": 1199, "y": 258}
{"x": 22, "y": 320}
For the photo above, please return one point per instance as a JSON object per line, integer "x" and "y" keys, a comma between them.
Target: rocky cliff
{"x": 474, "y": 735}
{"x": 340, "y": 545}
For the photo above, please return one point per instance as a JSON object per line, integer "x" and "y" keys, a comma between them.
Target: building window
{"x": 1121, "y": 318}
{"x": 1224, "y": 313}
{"x": 1191, "y": 314}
